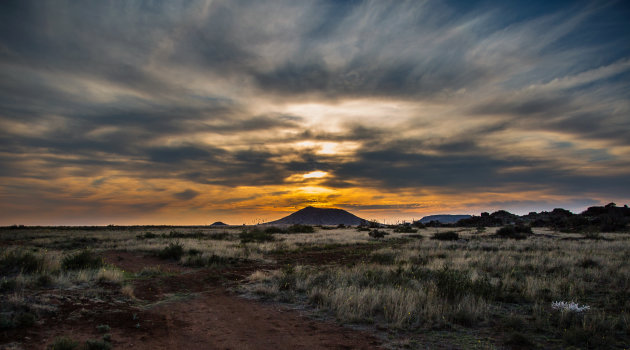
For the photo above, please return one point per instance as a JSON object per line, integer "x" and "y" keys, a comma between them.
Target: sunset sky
{"x": 190, "y": 112}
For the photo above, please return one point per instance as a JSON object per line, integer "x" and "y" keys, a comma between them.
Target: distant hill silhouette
{"x": 319, "y": 216}
{"x": 608, "y": 218}
{"x": 444, "y": 219}
{"x": 219, "y": 223}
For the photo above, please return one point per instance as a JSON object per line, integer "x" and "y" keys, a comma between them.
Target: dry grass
{"x": 128, "y": 291}
{"x": 477, "y": 283}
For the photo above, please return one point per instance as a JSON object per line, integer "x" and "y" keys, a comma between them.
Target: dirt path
{"x": 194, "y": 311}
{"x": 206, "y": 316}
{"x": 180, "y": 308}
{"x": 218, "y": 320}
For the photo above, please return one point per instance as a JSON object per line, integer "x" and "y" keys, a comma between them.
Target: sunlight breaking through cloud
{"x": 170, "y": 111}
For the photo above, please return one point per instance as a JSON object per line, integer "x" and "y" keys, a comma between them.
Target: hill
{"x": 319, "y": 216}
{"x": 219, "y": 223}
{"x": 444, "y": 219}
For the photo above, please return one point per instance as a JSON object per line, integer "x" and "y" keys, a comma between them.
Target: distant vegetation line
{"x": 608, "y": 218}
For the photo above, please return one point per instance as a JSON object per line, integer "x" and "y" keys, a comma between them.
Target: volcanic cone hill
{"x": 319, "y": 216}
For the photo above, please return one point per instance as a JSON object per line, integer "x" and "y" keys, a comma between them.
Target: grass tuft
{"x": 85, "y": 259}
{"x": 446, "y": 236}
{"x": 63, "y": 343}
{"x": 173, "y": 251}
{"x": 255, "y": 235}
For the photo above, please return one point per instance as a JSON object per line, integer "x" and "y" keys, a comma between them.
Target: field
{"x": 202, "y": 287}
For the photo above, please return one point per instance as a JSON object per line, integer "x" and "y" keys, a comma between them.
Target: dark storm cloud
{"x": 477, "y": 169}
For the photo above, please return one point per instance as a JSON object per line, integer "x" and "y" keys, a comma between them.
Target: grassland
{"x": 477, "y": 291}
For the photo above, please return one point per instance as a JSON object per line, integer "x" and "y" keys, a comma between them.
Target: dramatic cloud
{"x": 184, "y": 111}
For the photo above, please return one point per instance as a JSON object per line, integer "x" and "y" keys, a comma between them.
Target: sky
{"x": 190, "y": 112}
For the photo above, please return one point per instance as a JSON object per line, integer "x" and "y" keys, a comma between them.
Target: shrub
{"x": 20, "y": 261}
{"x": 25, "y": 319}
{"x": 7, "y": 285}
{"x": 85, "y": 259}
{"x": 176, "y": 234}
{"x": 103, "y": 328}
{"x": 455, "y": 284}
{"x": 405, "y": 229}
{"x": 587, "y": 263}
{"x": 6, "y": 322}
{"x": 147, "y": 235}
{"x": 193, "y": 252}
{"x": 172, "y": 251}
{"x": 95, "y": 344}
{"x": 516, "y": 339}
{"x": 451, "y": 284}
{"x": 212, "y": 260}
{"x": 301, "y": 229}
{"x": 418, "y": 224}
{"x": 63, "y": 343}
{"x": 514, "y": 232}
{"x": 255, "y": 235}
{"x": 44, "y": 281}
{"x": 378, "y": 234}
{"x": 274, "y": 229}
{"x": 218, "y": 236}
{"x": 445, "y": 236}
{"x": 388, "y": 258}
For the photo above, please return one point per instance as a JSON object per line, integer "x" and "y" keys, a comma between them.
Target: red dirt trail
{"x": 191, "y": 309}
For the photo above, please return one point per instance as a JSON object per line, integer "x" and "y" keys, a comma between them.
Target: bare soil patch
{"x": 183, "y": 308}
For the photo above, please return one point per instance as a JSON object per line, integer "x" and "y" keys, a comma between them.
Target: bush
{"x": 219, "y": 236}
{"x": 193, "y": 252}
{"x": 455, "y": 284}
{"x": 6, "y": 322}
{"x": 255, "y": 235}
{"x": 7, "y": 285}
{"x": 147, "y": 235}
{"x": 94, "y": 344}
{"x": 587, "y": 263}
{"x": 83, "y": 260}
{"x": 212, "y": 260}
{"x": 172, "y": 251}
{"x": 378, "y": 234}
{"x": 445, "y": 236}
{"x": 514, "y": 232}
{"x": 516, "y": 339}
{"x": 451, "y": 284}
{"x": 63, "y": 343}
{"x": 20, "y": 261}
{"x": 176, "y": 234}
{"x": 418, "y": 224}
{"x": 25, "y": 319}
{"x": 405, "y": 229}
{"x": 103, "y": 328}
{"x": 44, "y": 281}
{"x": 301, "y": 229}
{"x": 274, "y": 229}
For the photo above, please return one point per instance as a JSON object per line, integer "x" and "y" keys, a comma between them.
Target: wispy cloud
{"x": 186, "y": 99}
